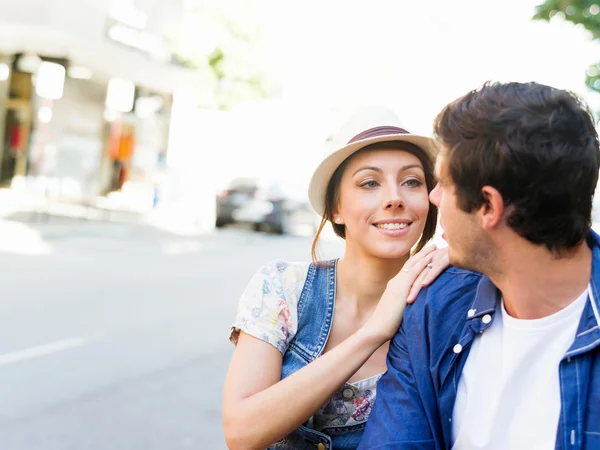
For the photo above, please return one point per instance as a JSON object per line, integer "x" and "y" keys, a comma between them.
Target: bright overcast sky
{"x": 417, "y": 56}
{"x": 334, "y": 56}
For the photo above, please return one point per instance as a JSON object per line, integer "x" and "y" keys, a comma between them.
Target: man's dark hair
{"x": 537, "y": 146}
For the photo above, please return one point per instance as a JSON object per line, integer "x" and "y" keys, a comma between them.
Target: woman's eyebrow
{"x": 411, "y": 166}
{"x": 377, "y": 169}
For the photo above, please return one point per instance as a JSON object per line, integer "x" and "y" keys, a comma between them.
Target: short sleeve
{"x": 268, "y": 308}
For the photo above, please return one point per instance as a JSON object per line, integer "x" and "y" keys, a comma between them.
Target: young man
{"x": 506, "y": 356}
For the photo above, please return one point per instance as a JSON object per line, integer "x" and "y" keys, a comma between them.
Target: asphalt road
{"x": 114, "y": 336}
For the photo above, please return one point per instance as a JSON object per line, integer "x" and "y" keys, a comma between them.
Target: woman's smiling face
{"x": 383, "y": 202}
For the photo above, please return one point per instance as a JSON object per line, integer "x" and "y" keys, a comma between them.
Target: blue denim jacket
{"x": 415, "y": 397}
{"x": 315, "y": 315}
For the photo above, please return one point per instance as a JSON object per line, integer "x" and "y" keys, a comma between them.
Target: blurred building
{"x": 86, "y": 91}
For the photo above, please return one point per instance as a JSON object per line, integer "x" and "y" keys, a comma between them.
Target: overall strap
{"x": 315, "y": 310}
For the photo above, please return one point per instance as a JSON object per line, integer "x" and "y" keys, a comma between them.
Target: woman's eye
{"x": 370, "y": 184}
{"x": 413, "y": 183}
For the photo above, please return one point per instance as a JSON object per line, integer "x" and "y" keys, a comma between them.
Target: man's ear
{"x": 492, "y": 210}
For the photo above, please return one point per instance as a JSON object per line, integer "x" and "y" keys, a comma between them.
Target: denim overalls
{"x": 315, "y": 314}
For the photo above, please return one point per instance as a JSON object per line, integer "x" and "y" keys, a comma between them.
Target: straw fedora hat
{"x": 368, "y": 126}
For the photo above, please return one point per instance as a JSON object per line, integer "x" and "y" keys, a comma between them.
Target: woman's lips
{"x": 394, "y": 232}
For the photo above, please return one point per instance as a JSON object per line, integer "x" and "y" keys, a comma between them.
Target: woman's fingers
{"x": 424, "y": 253}
{"x": 419, "y": 270}
{"x": 408, "y": 273}
{"x": 417, "y": 285}
{"x": 405, "y": 279}
{"x": 411, "y": 277}
{"x": 439, "y": 263}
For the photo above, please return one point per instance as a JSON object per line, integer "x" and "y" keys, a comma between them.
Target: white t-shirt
{"x": 509, "y": 391}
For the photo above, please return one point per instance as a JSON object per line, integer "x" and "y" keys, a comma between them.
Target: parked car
{"x": 237, "y": 194}
{"x": 274, "y": 206}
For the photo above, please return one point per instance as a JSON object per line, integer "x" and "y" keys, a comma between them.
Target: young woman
{"x": 312, "y": 337}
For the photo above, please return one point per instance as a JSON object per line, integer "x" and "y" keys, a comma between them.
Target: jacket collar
{"x": 593, "y": 241}
{"x": 486, "y": 298}
{"x": 588, "y": 334}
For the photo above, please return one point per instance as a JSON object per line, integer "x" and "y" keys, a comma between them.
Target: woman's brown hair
{"x": 332, "y": 194}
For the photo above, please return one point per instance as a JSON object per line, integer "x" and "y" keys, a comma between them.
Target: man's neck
{"x": 536, "y": 283}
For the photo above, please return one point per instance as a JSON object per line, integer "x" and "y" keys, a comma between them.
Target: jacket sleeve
{"x": 398, "y": 420}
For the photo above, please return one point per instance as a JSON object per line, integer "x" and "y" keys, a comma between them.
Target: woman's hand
{"x": 439, "y": 262}
{"x": 406, "y": 285}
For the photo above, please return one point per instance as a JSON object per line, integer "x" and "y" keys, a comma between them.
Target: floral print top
{"x": 351, "y": 405}
{"x": 268, "y": 310}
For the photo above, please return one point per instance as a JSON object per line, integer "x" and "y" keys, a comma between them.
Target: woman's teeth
{"x": 392, "y": 226}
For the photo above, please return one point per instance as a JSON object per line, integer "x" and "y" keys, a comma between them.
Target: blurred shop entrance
{"x": 16, "y": 127}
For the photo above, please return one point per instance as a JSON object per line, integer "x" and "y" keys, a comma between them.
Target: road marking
{"x": 181, "y": 248}
{"x": 41, "y": 350}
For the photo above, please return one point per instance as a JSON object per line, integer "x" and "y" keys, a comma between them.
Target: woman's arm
{"x": 259, "y": 408}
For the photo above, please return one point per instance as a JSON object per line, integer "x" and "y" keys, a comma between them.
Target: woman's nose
{"x": 394, "y": 200}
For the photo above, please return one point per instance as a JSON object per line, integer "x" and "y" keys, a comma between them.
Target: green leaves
{"x": 585, "y": 13}
{"x": 220, "y": 40}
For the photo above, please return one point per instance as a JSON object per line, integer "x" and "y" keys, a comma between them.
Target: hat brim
{"x": 320, "y": 179}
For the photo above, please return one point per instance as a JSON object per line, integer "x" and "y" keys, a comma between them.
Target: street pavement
{"x": 113, "y": 336}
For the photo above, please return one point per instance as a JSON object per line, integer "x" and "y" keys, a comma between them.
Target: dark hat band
{"x": 377, "y": 131}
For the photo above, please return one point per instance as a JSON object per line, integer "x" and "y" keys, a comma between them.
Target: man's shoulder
{"x": 453, "y": 281}
{"x": 448, "y": 297}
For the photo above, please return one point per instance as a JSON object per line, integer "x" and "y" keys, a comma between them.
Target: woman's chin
{"x": 397, "y": 252}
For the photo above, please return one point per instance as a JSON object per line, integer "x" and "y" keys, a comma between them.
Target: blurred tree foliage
{"x": 220, "y": 39}
{"x": 584, "y": 13}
